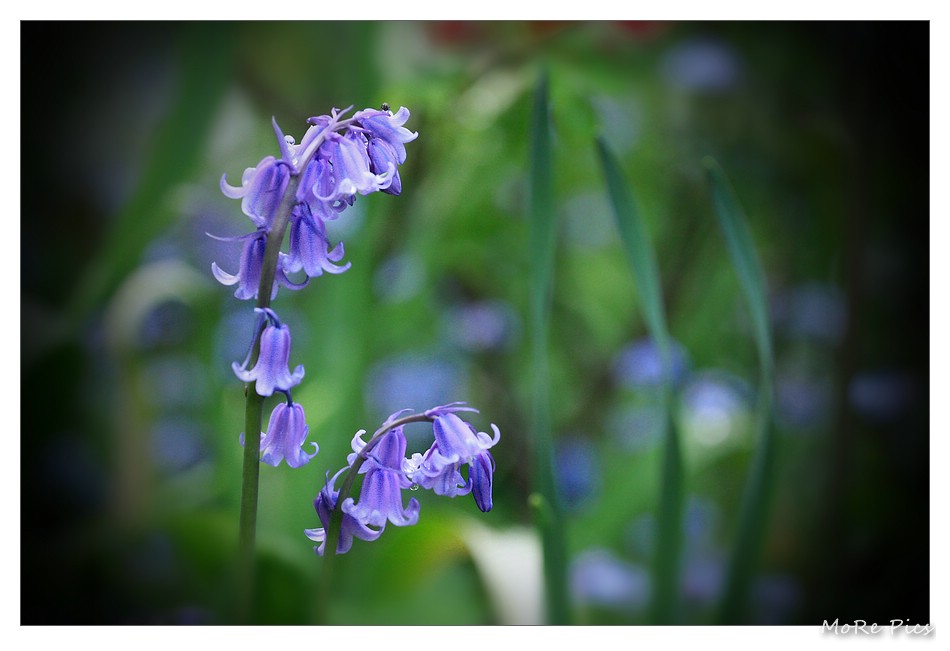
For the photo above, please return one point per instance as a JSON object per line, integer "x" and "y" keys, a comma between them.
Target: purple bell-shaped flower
{"x": 286, "y": 433}
{"x": 381, "y": 494}
{"x": 271, "y": 372}
{"x": 351, "y": 527}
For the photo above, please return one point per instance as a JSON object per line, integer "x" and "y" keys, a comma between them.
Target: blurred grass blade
{"x": 636, "y": 242}
{"x": 542, "y": 244}
{"x": 735, "y": 230}
{"x": 204, "y": 68}
{"x": 753, "y": 513}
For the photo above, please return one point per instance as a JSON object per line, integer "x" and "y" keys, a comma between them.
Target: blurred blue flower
{"x": 169, "y": 323}
{"x": 639, "y": 365}
{"x": 701, "y": 65}
{"x": 703, "y": 578}
{"x": 398, "y": 278}
{"x": 177, "y": 443}
{"x": 176, "y": 381}
{"x": 715, "y": 408}
{"x": 775, "y": 598}
{"x": 636, "y": 428}
{"x": 700, "y": 519}
{"x": 801, "y": 402}
{"x": 412, "y": 380}
{"x": 577, "y": 472}
{"x": 599, "y": 578}
{"x": 881, "y": 396}
{"x": 481, "y": 325}
{"x": 812, "y": 311}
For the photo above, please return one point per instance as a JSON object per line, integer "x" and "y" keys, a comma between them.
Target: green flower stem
{"x": 254, "y": 405}
{"x": 253, "y": 412}
{"x": 336, "y": 514}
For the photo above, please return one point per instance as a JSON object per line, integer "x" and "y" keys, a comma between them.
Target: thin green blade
{"x": 639, "y": 249}
{"x": 636, "y": 241}
{"x": 735, "y": 230}
{"x": 542, "y": 244}
{"x": 753, "y": 513}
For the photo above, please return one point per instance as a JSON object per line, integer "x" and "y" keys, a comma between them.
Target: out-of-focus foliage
{"x": 131, "y": 415}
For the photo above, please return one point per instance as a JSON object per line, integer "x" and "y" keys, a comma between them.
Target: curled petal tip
{"x": 282, "y": 143}
{"x": 222, "y": 276}
{"x": 230, "y": 191}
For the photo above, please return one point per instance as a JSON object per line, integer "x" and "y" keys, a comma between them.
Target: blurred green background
{"x": 130, "y": 461}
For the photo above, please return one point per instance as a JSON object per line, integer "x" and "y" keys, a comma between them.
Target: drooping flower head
{"x": 337, "y": 159}
{"x": 457, "y": 443}
{"x": 381, "y": 494}
{"x": 286, "y": 433}
{"x": 350, "y": 528}
{"x": 385, "y": 126}
{"x": 310, "y": 246}
{"x": 271, "y": 372}
{"x": 261, "y": 189}
{"x": 248, "y": 278}
{"x": 387, "y": 473}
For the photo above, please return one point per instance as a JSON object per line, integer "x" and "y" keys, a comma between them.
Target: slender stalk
{"x": 253, "y": 413}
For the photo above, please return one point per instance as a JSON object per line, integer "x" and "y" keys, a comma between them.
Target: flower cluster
{"x": 310, "y": 183}
{"x": 387, "y": 472}
{"x": 336, "y": 160}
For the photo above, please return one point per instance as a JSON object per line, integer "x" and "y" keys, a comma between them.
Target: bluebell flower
{"x": 382, "y": 158}
{"x": 388, "y": 127}
{"x": 336, "y": 160}
{"x": 457, "y": 443}
{"x": 286, "y": 433}
{"x": 351, "y": 527}
{"x": 317, "y": 181}
{"x": 351, "y": 167}
{"x": 261, "y": 190}
{"x": 248, "y": 277}
{"x": 381, "y": 494}
{"x": 310, "y": 246}
{"x": 271, "y": 372}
